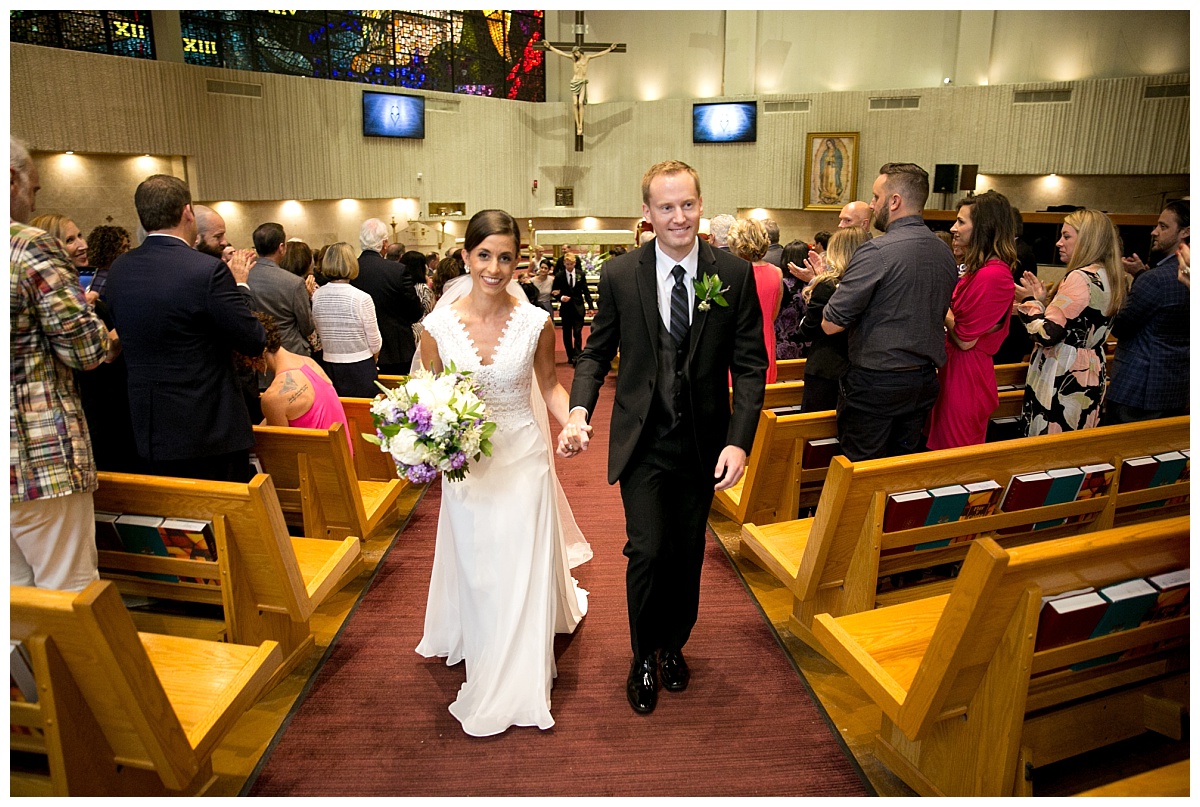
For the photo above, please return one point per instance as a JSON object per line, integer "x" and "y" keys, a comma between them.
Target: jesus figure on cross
{"x": 579, "y": 78}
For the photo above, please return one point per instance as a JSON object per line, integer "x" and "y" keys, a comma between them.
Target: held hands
{"x": 1029, "y": 286}
{"x": 730, "y": 467}
{"x": 575, "y": 436}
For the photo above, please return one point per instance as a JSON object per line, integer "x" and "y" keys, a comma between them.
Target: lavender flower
{"x": 421, "y": 418}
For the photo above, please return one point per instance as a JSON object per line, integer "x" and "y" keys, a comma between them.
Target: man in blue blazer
{"x": 180, "y": 315}
{"x": 686, "y": 320}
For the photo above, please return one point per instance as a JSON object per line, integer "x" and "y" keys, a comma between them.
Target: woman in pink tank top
{"x": 300, "y": 395}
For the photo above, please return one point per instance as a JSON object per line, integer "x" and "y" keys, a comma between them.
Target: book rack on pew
{"x": 788, "y": 464}
{"x": 122, "y": 713}
{"x": 971, "y": 709}
{"x": 269, "y": 583}
{"x": 832, "y": 562}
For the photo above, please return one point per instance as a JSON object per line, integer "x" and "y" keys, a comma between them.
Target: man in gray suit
{"x": 280, "y": 293}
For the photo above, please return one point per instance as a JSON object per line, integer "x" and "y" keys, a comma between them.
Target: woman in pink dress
{"x": 748, "y": 240}
{"x": 977, "y": 321}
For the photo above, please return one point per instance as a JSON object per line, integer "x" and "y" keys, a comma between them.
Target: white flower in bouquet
{"x": 431, "y": 424}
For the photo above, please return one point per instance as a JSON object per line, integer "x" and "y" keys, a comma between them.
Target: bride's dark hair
{"x": 487, "y": 223}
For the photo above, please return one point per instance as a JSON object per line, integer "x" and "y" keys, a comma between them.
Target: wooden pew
{"x": 969, "y": 707}
{"x": 317, "y": 484}
{"x": 269, "y": 582}
{"x": 777, "y": 484}
{"x": 371, "y": 464}
{"x": 121, "y": 713}
{"x": 789, "y": 370}
{"x": 832, "y": 562}
{"x": 1170, "y": 780}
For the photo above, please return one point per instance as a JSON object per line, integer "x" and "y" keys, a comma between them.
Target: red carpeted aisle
{"x": 375, "y": 721}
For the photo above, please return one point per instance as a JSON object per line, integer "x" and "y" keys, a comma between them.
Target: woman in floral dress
{"x": 1065, "y": 384}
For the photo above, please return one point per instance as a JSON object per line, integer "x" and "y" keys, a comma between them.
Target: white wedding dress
{"x": 501, "y": 585}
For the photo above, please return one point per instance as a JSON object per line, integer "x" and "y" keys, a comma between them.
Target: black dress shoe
{"x": 642, "y": 686}
{"x": 675, "y": 673}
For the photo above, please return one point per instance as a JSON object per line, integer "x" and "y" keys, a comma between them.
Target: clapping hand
{"x": 1133, "y": 265}
{"x": 1029, "y": 286}
{"x": 240, "y": 264}
{"x": 816, "y": 263}
{"x": 1185, "y": 264}
{"x": 803, "y": 274}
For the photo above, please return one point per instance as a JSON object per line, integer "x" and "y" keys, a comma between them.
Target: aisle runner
{"x": 375, "y": 721}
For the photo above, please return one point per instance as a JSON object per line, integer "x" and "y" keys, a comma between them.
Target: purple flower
{"x": 421, "y": 418}
{"x": 458, "y": 460}
{"x": 420, "y": 474}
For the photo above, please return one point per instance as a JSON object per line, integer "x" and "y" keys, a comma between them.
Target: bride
{"x": 501, "y": 584}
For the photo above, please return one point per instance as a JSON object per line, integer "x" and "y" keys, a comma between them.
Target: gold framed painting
{"x": 830, "y": 170}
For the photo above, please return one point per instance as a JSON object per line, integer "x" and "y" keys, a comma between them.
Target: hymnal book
{"x": 1006, "y": 428}
{"x": 1136, "y": 473}
{"x": 1007, "y": 388}
{"x": 1173, "y": 589}
{"x": 818, "y": 453}
{"x": 1128, "y": 604}
{"x": 946, "y": 505}
{"x": 256, "y": 464}
{"x": 795, "y": 409}
{"x": 140, "y": 534}
{"x": 192, "y": 540}
{"x": 1184, "y": 475}
{"x": 106, "y": 532}
{"x": 1097, "y": 479}
{"x": 1170, "y": 466}
{"x": 1069, "y": 619}
{"x": 20, "y": 673}
{"x": 1064, "y": 487}
{"x": 906, "y": 510}
{"x": 982, "y": 498}
{"x": 1023, "y": 492}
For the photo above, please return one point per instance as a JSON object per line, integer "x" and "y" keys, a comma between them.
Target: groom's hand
{"x": 730, "y": 467}
{"x": 575, "y": 435}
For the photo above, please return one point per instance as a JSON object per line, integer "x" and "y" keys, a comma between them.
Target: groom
{"x": 673, "y": 439}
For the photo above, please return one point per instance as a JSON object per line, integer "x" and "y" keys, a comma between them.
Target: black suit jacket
{"x": 722, "y": 341}
{"x": 397, "y": 306}
{"x": 775, "y": 256}
{"x": 180, "y": 315}
{"x": 580, "y": 294}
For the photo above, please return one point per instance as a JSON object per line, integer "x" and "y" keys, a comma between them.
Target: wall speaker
{"x": 945, "y": 179}
{"x": 967, "y": 177}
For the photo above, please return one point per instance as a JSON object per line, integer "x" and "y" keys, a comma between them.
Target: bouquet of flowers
{"x": 432, "y": 423}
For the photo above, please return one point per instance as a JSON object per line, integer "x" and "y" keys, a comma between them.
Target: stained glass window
{"x": 120, "y": 33}
{"x": 477, "y": 52}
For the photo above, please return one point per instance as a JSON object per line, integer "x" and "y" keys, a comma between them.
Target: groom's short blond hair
{"x": 663, "y": 169}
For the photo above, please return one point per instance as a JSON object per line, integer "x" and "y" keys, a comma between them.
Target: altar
{"x": 584, "y": 238}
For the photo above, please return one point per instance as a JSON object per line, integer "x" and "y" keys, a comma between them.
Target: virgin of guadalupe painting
{"x": 831, "y": 173}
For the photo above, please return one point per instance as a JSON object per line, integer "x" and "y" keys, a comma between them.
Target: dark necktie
{"x": 679, "y": 306}
{"x": 571, "y": 279}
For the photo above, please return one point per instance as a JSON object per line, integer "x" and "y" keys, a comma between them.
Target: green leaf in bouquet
{"x": 371, "y": 438}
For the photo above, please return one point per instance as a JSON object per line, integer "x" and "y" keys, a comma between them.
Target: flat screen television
{"x": 387, "y": 114}
{"x": 725, "y": 122}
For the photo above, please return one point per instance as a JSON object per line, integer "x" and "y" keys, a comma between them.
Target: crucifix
{"x": 580, "y": 53}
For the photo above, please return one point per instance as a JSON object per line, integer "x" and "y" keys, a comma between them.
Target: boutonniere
{"x": 708, "y": 291}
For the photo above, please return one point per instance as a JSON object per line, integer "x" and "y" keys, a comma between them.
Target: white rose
{"x": 404, "y": 448}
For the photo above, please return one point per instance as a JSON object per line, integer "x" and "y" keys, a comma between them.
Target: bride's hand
{"x": 574, "y": 438}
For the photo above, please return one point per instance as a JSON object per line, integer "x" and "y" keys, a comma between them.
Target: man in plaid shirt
{"x": 52, "y": 528}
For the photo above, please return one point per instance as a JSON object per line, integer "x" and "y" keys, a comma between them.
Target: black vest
{"x": 671, "y": 389}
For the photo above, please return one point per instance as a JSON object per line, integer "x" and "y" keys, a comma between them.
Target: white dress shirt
{"x": 666, "y": 280}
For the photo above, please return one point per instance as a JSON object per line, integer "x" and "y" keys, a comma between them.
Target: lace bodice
{"x": 505, "y": 383}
